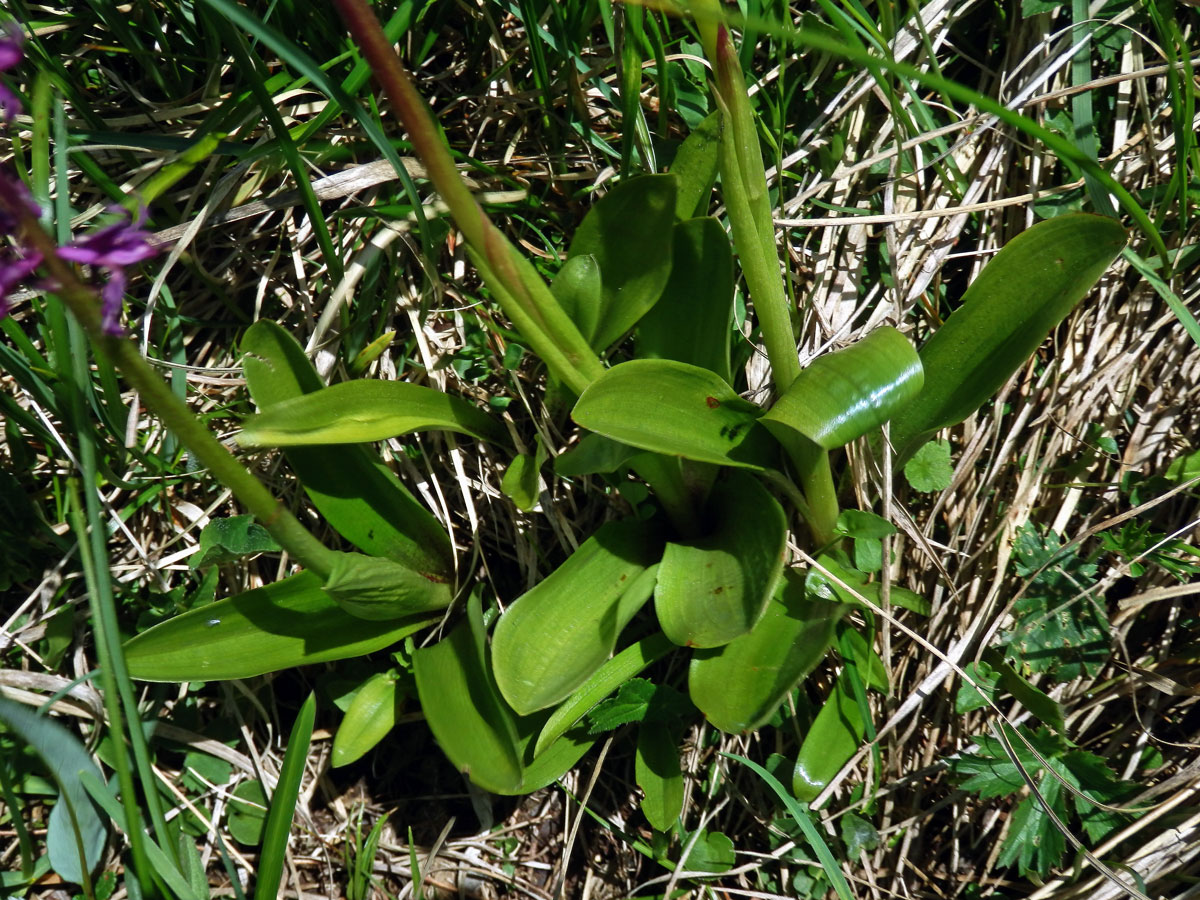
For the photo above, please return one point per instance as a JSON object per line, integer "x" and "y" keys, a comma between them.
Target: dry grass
{"x": 1122, "y": 362}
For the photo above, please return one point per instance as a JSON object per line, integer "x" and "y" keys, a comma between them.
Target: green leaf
{"x": 858, "y": 834}
{"x": 629, "y": 234}
{"x": 365, "y": 410}
{"x": 1060, "y": 627}
{"x": 283, "y": 803}
{"x": 691, "y": 321}
{"x": 676, "y": 409}
{"x": 823, "y": 586}
{"x": 739, "y": 686}
{"x": 1184, "y": 468}
{"x": 357, "y": 494}
{"x": 552, "y": 638}
{"x": 290, "y": 623}
{"x": 247, "y": 813}
{"x": 75, "y": 811}
{"x": 613, "y": 674}
{"x": 833, "y": 738}
{"x": 224, "y": 540}
{"x": 578, "y": 290}
{"x": 640, "y": 700}
{"x": 594, "y": 455}
{"x": 930, "y": 469}
{"x": 372, "y": 714}
{"x": 975, "y": 696}
{"x": 715, "y": 589}
{"x": 373, "y": 588}
{"x": 656, "y": 768}
{"x": 695, "y": 168}
{"x": 521, "y": 478}
{"x": 712, "y": 852}
{"x": 843, "y": 395}
{"x": 465, "y": 711}
{"x": 1019, "y": 297}
{"x": 1036, "y": 701}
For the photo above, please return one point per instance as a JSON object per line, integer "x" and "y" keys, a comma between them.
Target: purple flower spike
{"x": 10, "y": 55}
{"x": 113, "y": 248}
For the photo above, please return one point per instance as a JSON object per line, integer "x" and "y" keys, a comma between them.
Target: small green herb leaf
{"x": 224, "y": 540}
{"x": 930, "y": 469}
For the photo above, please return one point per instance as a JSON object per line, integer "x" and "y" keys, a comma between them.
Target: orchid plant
{"x": 635, "y": 330}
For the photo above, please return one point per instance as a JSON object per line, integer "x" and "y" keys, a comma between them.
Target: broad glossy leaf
{"x": 289, "y": 623}
{"x": 467, "y": 715}
{"x": 379, "y": 589}
{"x": 67, "y": 759}
{"x": 556, "y": 635}
{"x": 372, "y": 714}
{"x": 691, "y": 321}
{"x": 365, "y": 410}
{"x": 357, "y": 494}
{"x": 833, "y": 738}
{"x": 656, "y": 768}
{"x": 1026, "y": 290}
{"x": 844, "y": 395}
{"x": 739, "y": 686}
{"x": 476, "y": 729}
{"x": 695, "y": 168}
{"x": 629, "y": 234}
{"x": 676, "y": 409}
{"x": 578, "y": 291}
{"x": 715, "y": 589}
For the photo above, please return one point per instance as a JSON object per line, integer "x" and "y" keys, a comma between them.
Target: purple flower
{"x": 10, "y": 55}
{"x": 16, "y": 263}
{"x": 112, "y": 248}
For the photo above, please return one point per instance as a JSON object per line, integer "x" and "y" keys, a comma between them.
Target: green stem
{"x": 520, "y": 291}
{"x": 173, "y": 412}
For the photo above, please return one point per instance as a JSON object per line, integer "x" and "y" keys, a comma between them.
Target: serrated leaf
{"x": 640, "y": 700}
{"x": 739, "y": 686}
{"x": 930, "y": 469}
{"x": 676, "y": 409}
{"x": 716, "y": 588}
{"x": 553, "y": 637}
{"x": 629, "y": 234}
{"x": 366, "y": 410}
{"x": 970, "y": 697}
{"x": 289, "y": 623}
{"x": 842, "y": 396}
{"x": 1026, "y": 290}
{"x": 224, "y": 540}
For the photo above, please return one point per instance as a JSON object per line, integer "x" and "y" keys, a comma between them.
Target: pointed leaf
{"x": 357, "y": 494}
{"x": 1019, "y": 297}
{"x": 594, "y": 455}
{"x": 657, "y": 771}
{"x": 676, "y": 409}
{"x": 556, "y": 635}
{"x": 629, "y": 234}
{"x": 373, "y": 588}
{"x": 739, "y": 686}
{"x": 833, "y": 738}
{"x": 695, "y": 168}
{"x": 67, "y": 759}
{"x": 471, "y": 722}
{"x": 578, "y": 290}
{"x": 372, "y": 714}
{"x": 283, "y": 803}
{"x": 845, "y": 394}
{"x": 691, "y": 321}
{"x": 712, "y": 590}
{"x": 366, "y": 410}
{"x": 290, "y": 623}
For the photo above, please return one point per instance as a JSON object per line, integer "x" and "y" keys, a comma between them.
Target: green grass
{"x": 98, "y": 504}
